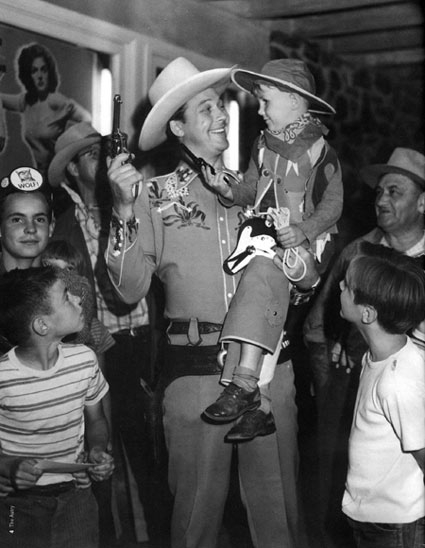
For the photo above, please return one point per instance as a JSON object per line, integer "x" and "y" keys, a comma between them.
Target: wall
{"x": 196, "y": 26}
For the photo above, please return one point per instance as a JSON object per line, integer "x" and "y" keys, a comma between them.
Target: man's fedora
{"x": 287, "y": 75}
{"x": 178, "y": 82}
{"x": 405, "y": 161}
{"x": 73, "y": 140}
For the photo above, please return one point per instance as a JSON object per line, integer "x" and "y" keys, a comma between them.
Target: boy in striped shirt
{"x": 50, "y": 412}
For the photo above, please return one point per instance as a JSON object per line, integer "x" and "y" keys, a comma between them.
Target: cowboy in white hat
{"x": 399, "y": 208}
{"x": 178, "y": 228}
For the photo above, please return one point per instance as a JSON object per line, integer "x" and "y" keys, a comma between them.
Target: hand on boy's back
{"x": 104, "y": 464}
{"x": 290, "y": 236}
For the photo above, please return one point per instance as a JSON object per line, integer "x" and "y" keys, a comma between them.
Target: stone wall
{"x": 377, "y": 110}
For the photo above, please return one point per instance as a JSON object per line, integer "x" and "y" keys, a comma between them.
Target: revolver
{"x": 119, "y": 139}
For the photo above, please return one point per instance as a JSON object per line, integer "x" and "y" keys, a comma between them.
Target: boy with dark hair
{"x": 26, "y": 218}
{"x": 50, "y": 402}
{"x": 383, "y": 295}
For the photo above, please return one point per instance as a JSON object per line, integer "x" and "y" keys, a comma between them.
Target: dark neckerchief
{"x": 299, "y": 137}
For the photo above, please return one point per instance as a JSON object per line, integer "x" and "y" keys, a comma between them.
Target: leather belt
{"x": 52, "y": 490}
{"x": 143, "y": 330}
{"x": 178, "y": 327}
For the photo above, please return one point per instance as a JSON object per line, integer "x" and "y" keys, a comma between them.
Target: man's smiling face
{"x": 398, "y": 203}
{"x": 203, "y": 130}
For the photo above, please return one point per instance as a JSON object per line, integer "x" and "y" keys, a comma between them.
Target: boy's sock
{"x": 266, "y": 400}
{"x": 245, "y": 378}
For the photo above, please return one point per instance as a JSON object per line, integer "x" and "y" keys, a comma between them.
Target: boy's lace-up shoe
{"x": 231, "y": 404}
{"x": 252, "y": 424}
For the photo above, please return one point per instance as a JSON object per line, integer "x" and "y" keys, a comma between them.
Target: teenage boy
{"x": 26, "y": 220}
{"x": 382, "y": 294}
{"x": 50, "y": 403}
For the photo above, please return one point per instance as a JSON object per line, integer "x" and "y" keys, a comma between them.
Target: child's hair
{"x": 256, "y": 87}
{"x": 62, "y": 249}
{"x": 393, "y": 283}
{"x": 24, "y": 294}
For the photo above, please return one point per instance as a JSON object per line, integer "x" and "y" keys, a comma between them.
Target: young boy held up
{"x": 293, "y": 180}
{"x": 50, "y": 402}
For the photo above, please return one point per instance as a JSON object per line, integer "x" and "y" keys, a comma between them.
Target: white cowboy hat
{"x": 287, "y": 74}
{"x": 73, "y": 140}
{"x": 404, "y": 161}
{"x": 178, "y": 82}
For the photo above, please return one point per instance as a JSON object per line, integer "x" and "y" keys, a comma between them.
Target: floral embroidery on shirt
{"x": 186, "y": 215}
{"x": 170, "y": 200}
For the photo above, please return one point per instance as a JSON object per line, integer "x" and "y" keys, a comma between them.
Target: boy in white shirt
{"x": 383, "y": 294}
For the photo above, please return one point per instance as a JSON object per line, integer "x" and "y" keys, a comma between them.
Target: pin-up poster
{"x": 45, "y": 84}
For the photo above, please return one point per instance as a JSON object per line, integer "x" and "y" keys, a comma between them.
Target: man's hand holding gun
{"x": 124, "y": 178}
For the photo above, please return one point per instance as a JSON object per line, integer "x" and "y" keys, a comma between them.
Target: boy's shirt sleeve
{"x": 329, "y": 209}
{"x": 403, "y": 404}
{"x": 98, "y": 387}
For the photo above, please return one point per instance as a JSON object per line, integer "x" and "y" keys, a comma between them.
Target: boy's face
{"x": 25, "y": 228}
{"x": 67, "y": 314}
{"x": 204, "y": 128}
{"x": 350, "y": 311}
{"x": 276, "y": 107}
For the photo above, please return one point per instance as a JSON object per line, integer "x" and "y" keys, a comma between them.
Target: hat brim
{"x": 153, "y": 132}
{"x": 371, "y": 174}
{"x": 56, "y": 172}
{"x": 245, "y": 80}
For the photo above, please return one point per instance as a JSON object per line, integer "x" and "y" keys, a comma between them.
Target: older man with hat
{"x": 79, "y": 168}
{"x": 178, "y": 229}
{"x": 336, "y": 347}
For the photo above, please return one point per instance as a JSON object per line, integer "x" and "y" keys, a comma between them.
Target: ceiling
{"x": 369, "y": 32}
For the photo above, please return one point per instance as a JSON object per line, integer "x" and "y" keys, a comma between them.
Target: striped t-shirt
{"x": 42, "y": 411}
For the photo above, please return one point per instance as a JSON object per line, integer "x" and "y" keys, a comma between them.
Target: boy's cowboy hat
{"x": 405, "y": 161}
{"x": 73, "y": 140}
{"x": 287, "y": 74}
{"x": 178, "y": 82}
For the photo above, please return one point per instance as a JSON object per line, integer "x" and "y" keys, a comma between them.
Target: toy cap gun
{"x": 200, "y": 164}
{"x": 119, "y": 138}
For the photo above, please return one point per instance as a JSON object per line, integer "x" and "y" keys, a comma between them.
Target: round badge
{"x": 26, "y": 179}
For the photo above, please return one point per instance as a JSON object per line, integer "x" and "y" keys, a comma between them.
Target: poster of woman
{"x": 36, "y": 102}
